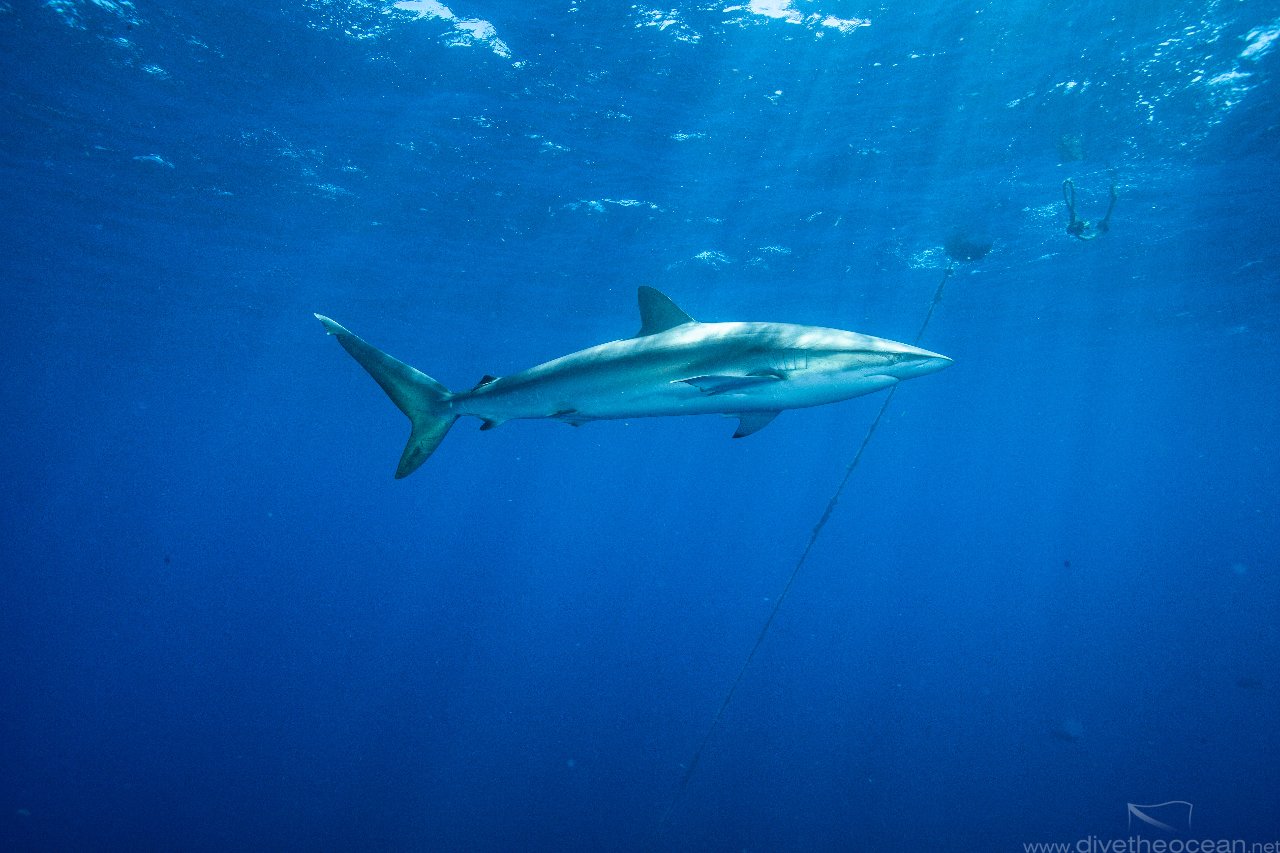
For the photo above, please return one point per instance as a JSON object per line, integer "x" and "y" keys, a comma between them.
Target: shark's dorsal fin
{"x": 658, "y": 313}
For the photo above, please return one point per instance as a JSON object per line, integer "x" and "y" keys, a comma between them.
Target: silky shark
{"x": 673, "y": 366}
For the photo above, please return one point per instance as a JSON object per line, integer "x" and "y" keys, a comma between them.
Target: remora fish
{"x": 673, "y": 366}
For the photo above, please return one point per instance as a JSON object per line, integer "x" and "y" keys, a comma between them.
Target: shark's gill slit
{"x": 804, "y": 555}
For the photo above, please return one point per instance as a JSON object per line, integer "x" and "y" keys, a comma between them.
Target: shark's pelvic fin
{"x": 658, "y": 313}
{"x": 424, "y": 400}
{"x": 749, "y": 422}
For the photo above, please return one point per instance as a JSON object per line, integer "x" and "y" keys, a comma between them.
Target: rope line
{"x": 795, "y": 571}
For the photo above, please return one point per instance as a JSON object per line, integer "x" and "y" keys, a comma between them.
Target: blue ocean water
{"x": 1049, "y": 592}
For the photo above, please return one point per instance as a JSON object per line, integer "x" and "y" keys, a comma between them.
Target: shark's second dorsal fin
{"x": 658, "y": 313}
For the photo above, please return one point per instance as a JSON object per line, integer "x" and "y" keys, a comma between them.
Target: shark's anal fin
{"x": 719, "y": 384}
{"x": 570, "y": 417}
{"x": 749, "y": 422}
{"x": 658, "y": 313}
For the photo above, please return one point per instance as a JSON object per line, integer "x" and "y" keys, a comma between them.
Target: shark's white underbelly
{"x": 606, "y": 395}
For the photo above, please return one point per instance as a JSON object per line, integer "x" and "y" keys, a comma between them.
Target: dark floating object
{"x": 1069, "y": 730}
{"x": 1070, "y": 147}
{"x": 964, "y": 247}
{"x": 1066, "y": 564}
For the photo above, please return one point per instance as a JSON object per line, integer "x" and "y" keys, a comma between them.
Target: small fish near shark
{"x": 674, "y": 365}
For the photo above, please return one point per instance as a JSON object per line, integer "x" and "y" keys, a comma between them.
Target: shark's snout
{"x": 919, "y": 362}
{"x": 938, "y": 362}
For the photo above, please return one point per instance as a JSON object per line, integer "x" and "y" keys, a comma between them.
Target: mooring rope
{"x": 795, "y": 571}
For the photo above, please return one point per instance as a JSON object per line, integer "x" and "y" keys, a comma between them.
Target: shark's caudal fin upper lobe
{"x": 424, "y": 400}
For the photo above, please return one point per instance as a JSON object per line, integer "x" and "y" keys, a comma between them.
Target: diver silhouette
{"x": 1083, "y": 229}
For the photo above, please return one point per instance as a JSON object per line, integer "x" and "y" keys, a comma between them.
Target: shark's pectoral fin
{"x": 749, "y": 422}
{"x": 722, "y": 384}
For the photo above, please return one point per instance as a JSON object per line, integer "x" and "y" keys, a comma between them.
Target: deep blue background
{"x": 1052, "y": 587}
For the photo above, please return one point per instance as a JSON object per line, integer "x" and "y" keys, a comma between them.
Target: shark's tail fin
{"x": 424, "y": 400}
